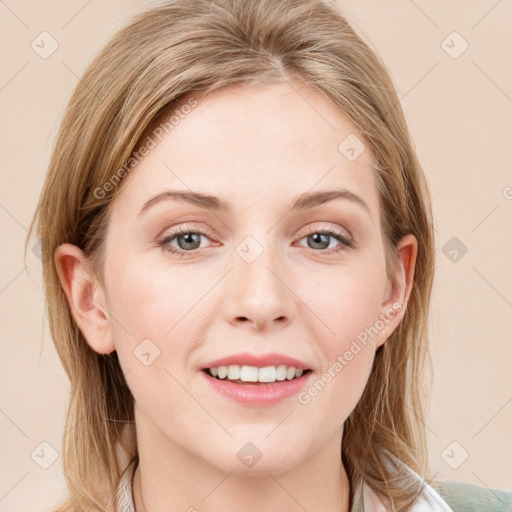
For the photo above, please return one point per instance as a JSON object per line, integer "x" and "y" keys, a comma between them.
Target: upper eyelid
{"x": 206, "y": 230}
{"x": 176, "y": 230}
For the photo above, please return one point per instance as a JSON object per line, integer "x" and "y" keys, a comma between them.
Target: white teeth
{"x": 249, "y": 374}
{"x": 255, "y": 374}
{"x": 281, "y": 372}
{"x": 233, "y": 372}
{"x": 267, "y": 374}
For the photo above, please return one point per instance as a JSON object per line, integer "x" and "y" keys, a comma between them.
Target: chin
{"x": 257, "y": 459}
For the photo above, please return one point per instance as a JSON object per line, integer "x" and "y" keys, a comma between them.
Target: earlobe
{"x": 395, "y": 304}
{"x": 85, "y": 297}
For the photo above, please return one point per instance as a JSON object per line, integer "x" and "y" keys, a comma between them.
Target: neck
{"x": 317, "y": 482}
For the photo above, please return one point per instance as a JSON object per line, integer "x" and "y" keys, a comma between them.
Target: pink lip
{"x": 260, "y": 361}
{"x": 257, "y": 394}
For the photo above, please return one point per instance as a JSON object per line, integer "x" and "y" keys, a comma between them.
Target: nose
{"x": 259, "y": 297}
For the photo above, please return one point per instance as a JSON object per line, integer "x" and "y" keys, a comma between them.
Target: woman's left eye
{"x": 189, "y": 241}
{"x": 320, "y": 239}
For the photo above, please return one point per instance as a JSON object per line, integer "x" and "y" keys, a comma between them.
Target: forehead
{"x": 242, "y": 142}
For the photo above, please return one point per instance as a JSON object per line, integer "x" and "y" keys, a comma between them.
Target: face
{"x": 188, "y": 282}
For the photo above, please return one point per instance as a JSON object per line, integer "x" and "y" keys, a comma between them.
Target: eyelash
{"x": 345, "y": 240}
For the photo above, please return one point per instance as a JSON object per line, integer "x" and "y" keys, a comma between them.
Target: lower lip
{"x": 258, "y": 394}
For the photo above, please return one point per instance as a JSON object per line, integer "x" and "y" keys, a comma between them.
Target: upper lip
{"x": 261, "y": 360}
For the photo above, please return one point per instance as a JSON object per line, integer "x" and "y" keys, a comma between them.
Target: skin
{"x": 259, "y": 148}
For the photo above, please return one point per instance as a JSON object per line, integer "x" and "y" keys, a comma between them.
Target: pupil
{"x": 189, "y": 239}
{"x": 317, "y": 239}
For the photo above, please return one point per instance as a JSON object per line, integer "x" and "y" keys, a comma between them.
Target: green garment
{"x": 466, "y": 497}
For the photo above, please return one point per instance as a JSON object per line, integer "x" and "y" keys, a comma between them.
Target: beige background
{"x": 460, "y": 114}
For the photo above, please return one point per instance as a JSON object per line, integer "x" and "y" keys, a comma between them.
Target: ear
{"x": 85, "y": 297}
{"x": 399, "y": 287}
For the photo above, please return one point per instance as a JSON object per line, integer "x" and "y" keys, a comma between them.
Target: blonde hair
{"x": 163, "y": 55}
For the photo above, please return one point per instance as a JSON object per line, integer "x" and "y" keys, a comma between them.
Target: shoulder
{"x": 466, "y": 497}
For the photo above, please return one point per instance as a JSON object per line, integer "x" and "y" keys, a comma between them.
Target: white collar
{"x": 366, "y": 500}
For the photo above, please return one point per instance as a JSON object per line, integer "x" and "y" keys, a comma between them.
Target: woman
{"x": 238, "y": 257}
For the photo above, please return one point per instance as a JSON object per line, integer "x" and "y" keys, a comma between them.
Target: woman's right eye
{"x": 188, "y": 241}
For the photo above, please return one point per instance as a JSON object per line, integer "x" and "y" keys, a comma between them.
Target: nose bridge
{"x": 259, "y": 293}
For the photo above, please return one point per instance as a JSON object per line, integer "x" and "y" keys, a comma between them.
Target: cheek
{"x": 157, "y": 320}
{"x": 154, "y": 323}
{"x": 348, "y": 312}
{"x": 346, "y": 301}
{"x": 338, "y": 387}
{"x": 346, "y": 305}
{"x": 152, "y": 300}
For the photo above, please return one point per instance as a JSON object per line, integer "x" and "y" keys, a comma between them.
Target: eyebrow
{"x": 303, "y": 202}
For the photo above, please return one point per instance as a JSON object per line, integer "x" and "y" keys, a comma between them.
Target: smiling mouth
{"x": 253, "y": 383}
